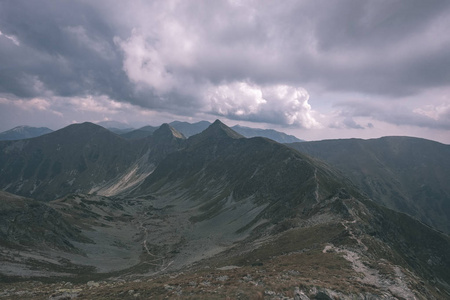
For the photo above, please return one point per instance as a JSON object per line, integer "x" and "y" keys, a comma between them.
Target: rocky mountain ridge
{"x": 213, "y": 216}
{"x": 124, "y": 130}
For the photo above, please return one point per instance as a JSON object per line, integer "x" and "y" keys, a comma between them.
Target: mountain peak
{"x": 20, "y": 128}
{"x": 165, "y": 130}
{"x": 218, "y": 122}
{"x": 220, "y": 130}
{"x": 81, "y": 131}
{"x": 77, "y": 127}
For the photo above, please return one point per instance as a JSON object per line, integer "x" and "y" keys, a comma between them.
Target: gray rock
{"x": 222, "y": 278}
{"x": 299, "y": 295}
{"x": 92, "y": 284}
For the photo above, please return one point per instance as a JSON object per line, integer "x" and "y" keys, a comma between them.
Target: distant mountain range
{"x": 125, "y": 130}
{"x": 222, "y": 214}
{"x": 115, "y": 125}
{"x": 23, "y": 132}
{"x": 190, "y": 129}
{"x": 277, "y": 136}
{"x": 140, "y": 133}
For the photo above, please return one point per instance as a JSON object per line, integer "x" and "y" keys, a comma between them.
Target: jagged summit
{"x": 165, "y": 130}
{"x": 219, "y": 130}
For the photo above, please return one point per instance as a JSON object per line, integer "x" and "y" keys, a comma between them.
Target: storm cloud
{"x": 295, "y": 63}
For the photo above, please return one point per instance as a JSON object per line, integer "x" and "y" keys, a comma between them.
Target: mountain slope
{"x": 256, "y": 191}
{"x": 82, "y": 158}
{"x": 226, "y": 216}
{"x": 69, "y": 160}
{"x": 154, "y": 148}
{"x": 78, "y": 235}
{"x": 28, "y": 223}
{"x": 23, "y": 132}
{"x": 406, "y": 174}
{"x": 228, "y": 166}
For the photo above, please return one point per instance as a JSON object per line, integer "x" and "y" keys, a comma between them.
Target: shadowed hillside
{"x": 406, "y": 174}
{"x": 79, "y": 158}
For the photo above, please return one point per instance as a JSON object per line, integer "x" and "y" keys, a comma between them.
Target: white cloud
{"x": 31, "y": 105}
{"x": 239, "y": 99}
{"x": 292, "y": 102}
{"x": 282, "y": 104}
{"x": 101, "y": 104}
{"x": 144, "y": 63}
{"x": 12, "y": 38}
{"x": 28, "y": 104}
{"x": 157, "y": 54}
{"x": 435, "y": 112}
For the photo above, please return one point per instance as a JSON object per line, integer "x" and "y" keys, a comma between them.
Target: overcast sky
{"x": 315, "y": 69}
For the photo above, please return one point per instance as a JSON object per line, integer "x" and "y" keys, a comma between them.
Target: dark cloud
{"x": 66, "y": 49}
{"x": 372, "y": 24}
{"x": 172, "y": 56}
{"x": 377, "y": 47}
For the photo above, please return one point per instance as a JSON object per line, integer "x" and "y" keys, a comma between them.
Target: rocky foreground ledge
{"x": 292, "y": 276}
